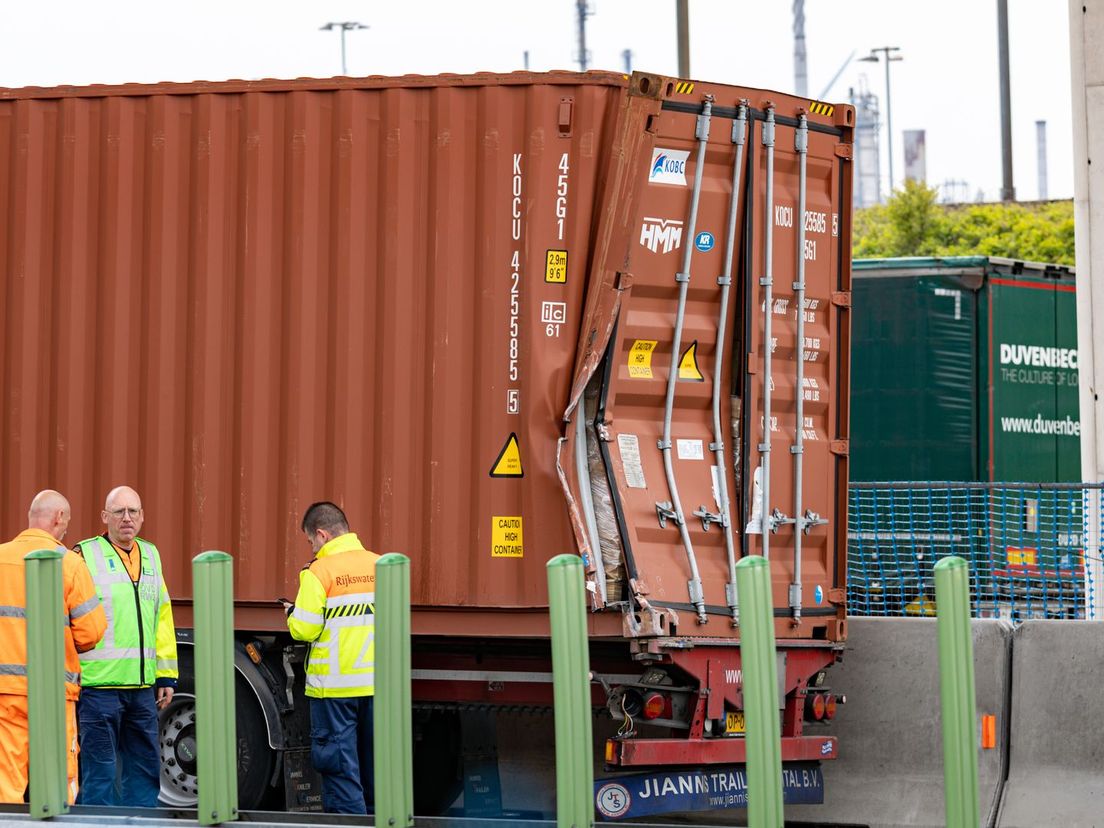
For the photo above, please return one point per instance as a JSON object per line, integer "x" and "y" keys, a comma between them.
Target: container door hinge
{"x": 841, "y": 298}
{"x": 839, "y": 447}
{"x": 843, "y": 151}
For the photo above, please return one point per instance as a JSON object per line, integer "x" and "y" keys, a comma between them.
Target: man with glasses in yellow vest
{"x": 132, "y": 672}
{"x": 334, "y": 610}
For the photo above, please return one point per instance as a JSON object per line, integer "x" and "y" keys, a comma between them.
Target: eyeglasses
{"x": 125, "y": 512}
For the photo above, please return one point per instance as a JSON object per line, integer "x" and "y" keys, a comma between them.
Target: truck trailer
{"x": 496, "y": 317}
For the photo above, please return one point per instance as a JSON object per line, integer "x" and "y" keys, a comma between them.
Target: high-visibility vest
{"x": 128, "y": 654}
{"x": 335, "y": 612}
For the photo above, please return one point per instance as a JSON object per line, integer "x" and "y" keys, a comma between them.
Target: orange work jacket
{"x": 86, "y": 619}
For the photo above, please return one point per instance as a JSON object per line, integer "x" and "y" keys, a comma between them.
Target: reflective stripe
{"x": 306, "y": 616}
{"x": 103, "y": 588}
{"x": 368, "y": 621}
{"x": 117, "y": 654}
{"x": 84, "y": 608}
{"x": 12, "y": 612}
{"x": 365, "y": 679}
{"x": 21, "y": 670}
{"x": 167, "y": 664}
{"x": 351, "y": 598}
{"x": 105, "y": 575}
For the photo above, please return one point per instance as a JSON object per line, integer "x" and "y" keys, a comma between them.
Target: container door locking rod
{"x": 717, "y": 446}
{"x": 673, "y": 509}
{"x": 801, "y": 522}
{"x": 767, "y": 282}
{"x": 801, "y": 145}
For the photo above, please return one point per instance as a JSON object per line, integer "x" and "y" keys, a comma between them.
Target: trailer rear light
{"x": 654, "y": 704}
{"x": 829, "y": 706}
{"x": 611, "y": 751}
{"x": 814, "y": 707}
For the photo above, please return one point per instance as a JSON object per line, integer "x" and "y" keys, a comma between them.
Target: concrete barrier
{"x": 890, "y": 766}
{"x": 1056, "y": 762}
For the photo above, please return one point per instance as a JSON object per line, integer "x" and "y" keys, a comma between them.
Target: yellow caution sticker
{"x": 555, "y": 267}
{"x": 506, "y": 537}
{"x": 818, "y": 108}
{"x": 508, "y": 463}
{"x": 640, "y": 358}
{"x": 688, "y": 365}
{"x": 684, "y": 87}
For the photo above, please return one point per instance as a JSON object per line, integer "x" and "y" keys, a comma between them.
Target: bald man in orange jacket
{"x": 47, "y": 522}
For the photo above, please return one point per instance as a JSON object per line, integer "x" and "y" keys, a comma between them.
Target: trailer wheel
{"x": 178, "y": 745}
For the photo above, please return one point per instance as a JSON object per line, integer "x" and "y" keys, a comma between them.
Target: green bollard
{"x": 760, "y": 666}
{"x": 46, "y": 683}
{"x": 393, "y": 730}
{"x": 956, "y": 689}
{"x": 571, "y": 692}
{"x": 216, "y": 731}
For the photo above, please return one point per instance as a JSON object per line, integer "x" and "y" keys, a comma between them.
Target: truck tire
{"x": 178, "y": 744}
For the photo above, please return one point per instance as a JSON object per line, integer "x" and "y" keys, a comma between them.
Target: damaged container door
{"x": 678, "y": 410}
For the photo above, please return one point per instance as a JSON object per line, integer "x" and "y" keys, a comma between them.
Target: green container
{"x": 964, "y": 369}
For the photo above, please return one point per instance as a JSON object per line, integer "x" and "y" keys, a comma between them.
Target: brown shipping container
{"x": 396, "y": 293}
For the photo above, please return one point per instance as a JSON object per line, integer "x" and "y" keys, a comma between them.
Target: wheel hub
{"x": 178, "y": 752}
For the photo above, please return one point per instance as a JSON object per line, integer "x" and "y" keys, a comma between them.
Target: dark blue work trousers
{"x": 119, "y": 744}
{"x": 341, "y": 752}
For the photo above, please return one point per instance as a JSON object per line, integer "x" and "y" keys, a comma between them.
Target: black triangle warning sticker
{"x": 688, "y": 365}
{"x": 508, "y": 463}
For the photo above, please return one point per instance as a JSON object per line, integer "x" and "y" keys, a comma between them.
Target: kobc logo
{"x": 656, "y": 233}
{"x": 668, "y": 167}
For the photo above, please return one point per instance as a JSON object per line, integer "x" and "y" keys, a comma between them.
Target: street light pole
{"x": 343, "y": 26}
{"x": 873, "y": 58}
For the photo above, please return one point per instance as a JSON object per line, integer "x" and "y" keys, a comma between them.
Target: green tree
{"x": 913, "y": 224}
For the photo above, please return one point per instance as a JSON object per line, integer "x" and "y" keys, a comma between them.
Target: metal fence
{"x": 1025, "y": 544}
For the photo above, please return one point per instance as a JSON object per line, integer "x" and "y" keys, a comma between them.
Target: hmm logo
{"x": 656, "y": 233}
{"x": 668, "y": 167}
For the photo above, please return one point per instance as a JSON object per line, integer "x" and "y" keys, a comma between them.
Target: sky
{"x": 947, "y": 83}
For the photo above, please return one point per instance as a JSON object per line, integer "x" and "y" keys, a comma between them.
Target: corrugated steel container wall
{"x": 240, "y": 298}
